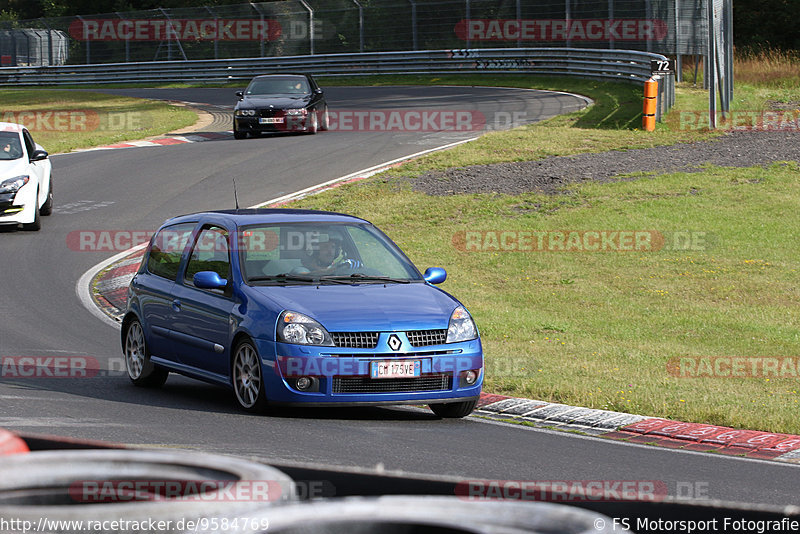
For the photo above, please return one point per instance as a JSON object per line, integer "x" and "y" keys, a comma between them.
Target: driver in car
{"x": 10, "y": 150}
{"x": 327, "y": 258}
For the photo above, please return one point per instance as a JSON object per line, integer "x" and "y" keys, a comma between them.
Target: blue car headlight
{"x": 299, "y": 329}
{"x": 461, "y": 327}
{"x": 12, "y": 185}
{"x": 245, "y": 112}
{"x": 300, "y": 111}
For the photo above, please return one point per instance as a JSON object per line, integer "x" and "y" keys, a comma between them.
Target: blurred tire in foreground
{"x": 417, "y": 515}
{"x": 99, "y": 487}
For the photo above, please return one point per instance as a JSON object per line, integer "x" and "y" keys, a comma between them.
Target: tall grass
{"x": 772, "y": 68}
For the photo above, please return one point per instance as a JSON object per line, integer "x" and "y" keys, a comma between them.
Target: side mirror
{"x": 318, "y": 91}
{"x": 209, "y": 280}
{"x": 39, "y": 155}
{"x": 240, "y": 94}
{"x": 435, "y": 275}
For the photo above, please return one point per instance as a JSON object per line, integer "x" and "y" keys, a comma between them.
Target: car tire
{"x": 238, "y": 134}
{"x": 36, "y": 225}
{"x": 141, "y": 370}
{"x": 247, "y": 379}
{"x": 326, "y": 122}
{"x": 454, "y": 410}
{"x": 314, "y": 126}
{"x": 47, "y": 207}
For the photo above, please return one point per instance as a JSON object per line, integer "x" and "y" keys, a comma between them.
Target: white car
{"x": 26, "y": 184}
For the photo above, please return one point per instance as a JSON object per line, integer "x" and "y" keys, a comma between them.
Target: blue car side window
{"x": 210, "y": 253}
{"x": 167, "y": 248}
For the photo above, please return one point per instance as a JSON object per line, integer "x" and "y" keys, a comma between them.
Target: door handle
{"x": 176, "y": 305}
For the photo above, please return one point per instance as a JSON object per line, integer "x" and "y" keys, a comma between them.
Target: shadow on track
{"x": 180, "y": 393}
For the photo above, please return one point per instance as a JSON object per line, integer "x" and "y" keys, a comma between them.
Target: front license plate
{"x": 403, "y": 369}
{"x": 270, "y": 120}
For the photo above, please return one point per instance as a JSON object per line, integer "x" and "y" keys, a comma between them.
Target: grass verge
{"x": 62, "y": 120}
{"x": 604, "y": 329}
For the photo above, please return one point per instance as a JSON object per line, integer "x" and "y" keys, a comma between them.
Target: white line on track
{"x": 84, "y": 291}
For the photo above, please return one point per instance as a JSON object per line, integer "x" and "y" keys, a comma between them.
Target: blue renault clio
{"x": 298, "y": 307}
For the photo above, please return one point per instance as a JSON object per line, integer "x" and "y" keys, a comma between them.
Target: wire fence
{"x": 301, "y": 27}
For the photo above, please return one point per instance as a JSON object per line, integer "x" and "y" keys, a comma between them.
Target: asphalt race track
{"x": 136, "y": 189}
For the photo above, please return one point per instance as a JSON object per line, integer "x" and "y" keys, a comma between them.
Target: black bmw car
{"x": 280, "y": 103}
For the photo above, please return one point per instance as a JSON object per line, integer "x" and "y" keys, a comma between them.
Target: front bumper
{"x": 288, "y": 123}
{"x": 19, "y": 207}
{"x": 341, "y": 376}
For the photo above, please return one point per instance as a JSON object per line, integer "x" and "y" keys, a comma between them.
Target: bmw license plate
{"x": 401, "y": 369}
{"x": 270, "y": 120}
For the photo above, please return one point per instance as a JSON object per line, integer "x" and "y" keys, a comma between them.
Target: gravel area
{"x": 736, "y": 149}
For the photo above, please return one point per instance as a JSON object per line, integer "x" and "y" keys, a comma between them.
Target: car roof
{"x": 282, "y": 75}
{"x": 270, "y": 74}
{"x": 11, "y": 127}
{"x": 250, "y": 216}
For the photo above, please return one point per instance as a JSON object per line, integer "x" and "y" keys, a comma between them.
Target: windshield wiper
{"x": 284, "y": 277}
{"x": 358, "y": 277}
{"x": 287, "y": 277}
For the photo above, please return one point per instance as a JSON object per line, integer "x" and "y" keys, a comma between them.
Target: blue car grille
{"x": 423, "y": 354}
{"x": 369, "y": 340}
{"x": 365, "y": 384}
{"x": 425, "y": 338}
{"x": 355, "y": 340}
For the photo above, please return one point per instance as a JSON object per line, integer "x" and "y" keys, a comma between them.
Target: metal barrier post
{"x": 127, "y": 41}
{"x": 310, "y": 26}
{"x": 49, "y": 43}
{"x": 678, "y": 58}
{"x": 414, "y": 25}
{"x": 261, "y": 16}
{"x": 611, "y": 21}
{"x": 360, "y": 26}
{"x": 467, "y": 16}
{"x": 87, "y": 41}
{"x": 216, "y": 33}
{"x": 568, "y": 17}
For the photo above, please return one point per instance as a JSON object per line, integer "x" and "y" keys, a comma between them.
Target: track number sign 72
{"x": 662, "y": 66}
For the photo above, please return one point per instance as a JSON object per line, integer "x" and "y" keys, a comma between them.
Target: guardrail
{"x": 609, "y": 65}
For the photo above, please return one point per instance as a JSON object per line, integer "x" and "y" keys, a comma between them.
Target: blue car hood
{"x": 366, "y": 307}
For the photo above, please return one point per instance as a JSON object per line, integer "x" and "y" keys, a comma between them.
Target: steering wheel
{"x": 348, "y": 264}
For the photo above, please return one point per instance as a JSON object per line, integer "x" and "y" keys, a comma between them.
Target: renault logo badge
{"x": 394, "y": 342}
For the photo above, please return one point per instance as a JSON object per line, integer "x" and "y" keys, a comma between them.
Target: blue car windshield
{"x": 321, "y": 253}
{"x": 10, "y": 147}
